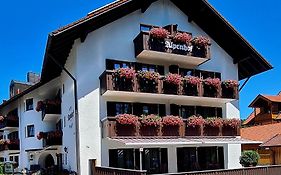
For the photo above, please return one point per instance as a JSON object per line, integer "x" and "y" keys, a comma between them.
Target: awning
{"x": 180, "y": 141}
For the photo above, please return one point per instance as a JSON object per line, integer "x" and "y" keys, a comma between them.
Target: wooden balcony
{"x": 51, "y": 112}
{"x": 112, "y": 129}
{"x": 9, "y": 122}
{"x": 52, "y": 138}
{"x": 14, "y": 144}
{"x": 133, "y": 92}
{"x": 170, "y": 54}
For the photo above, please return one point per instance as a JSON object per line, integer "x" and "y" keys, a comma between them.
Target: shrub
{"x": 159, "y": 33}
{"x": 249, "y": 158}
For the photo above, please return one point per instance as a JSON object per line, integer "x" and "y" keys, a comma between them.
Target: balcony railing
{"x": 9, "y": 122}
{"x": 113, "y": 129}
{"x": 13, "y": 144}
{"x": 51, "y": 112}
{"x": 109, "y": 87}
{"x": 168, "y": 52}
{"x": 52, "y": 138}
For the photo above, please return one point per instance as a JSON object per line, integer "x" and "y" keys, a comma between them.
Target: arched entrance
{"x": 46, "y": 160}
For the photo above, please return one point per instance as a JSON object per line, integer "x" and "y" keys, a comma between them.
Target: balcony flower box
{"x": 157, "y": 38}
{"x": 150, "y": 125}
{"x": 172, "y": 83}
{"x": 182, "y": 39}
{"x": 171, "y": 125}
{"x": 211, "y": 87}
{"x": 212, "y": 126}
{"x": 230, "y": 127}
{"x": 52, "y": 105}
{"x": 194, "y": 124}
{"x": 126, "y": 124}
{"x": 229, "y": 88}
{"x": 123, "y": 79}
{"x": 190, "y": 85}
{"x": 200, "y": 44}
{"x": 148, "y": 81}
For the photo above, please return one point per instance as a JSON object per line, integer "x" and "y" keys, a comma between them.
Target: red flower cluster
{"x": 230, "y": 83}
{"x": 182, "y": 37}
{"x": 195, "y": 121}
{"x": 192, "y": 80}
{"x": 41, "y": 104}
{"x": 201, "y": 41}
{"x": 214, "y": 122}
{"x": 159, "y": 33}
{"x": 173, "y": 79}
{"x": 171, "y": 120}
{"x": 232, "y": 122}
{"x": 2, "y": 118}
{"x": 214, "y": 82}
{"x": 127, "y": 73}
{"x": 127, "y": 119}
{"x": 151, "y": 120}
{"x": 40, "y": 135}
{"x": 149, "y": 75}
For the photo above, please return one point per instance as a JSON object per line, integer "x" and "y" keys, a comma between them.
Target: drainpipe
{"x": 76, "y": 111}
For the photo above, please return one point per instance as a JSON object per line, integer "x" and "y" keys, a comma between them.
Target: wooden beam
{"x": 235, "y": 60}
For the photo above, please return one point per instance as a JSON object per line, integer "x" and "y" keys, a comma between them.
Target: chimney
{"x": 33, "y": 77}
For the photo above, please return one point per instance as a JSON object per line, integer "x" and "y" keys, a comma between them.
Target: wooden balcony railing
{"x": 52, "y": 138}
{"x": 9, "y": 121}
{"x": 113, "y": 129}
{"x": 51, "y": 109}
{"x": 169, "y": 51}
{"x": 12, "y": 144}
{"x": 108, "y": 83}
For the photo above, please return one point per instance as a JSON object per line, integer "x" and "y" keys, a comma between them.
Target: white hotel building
{"x": 81, "y": 94}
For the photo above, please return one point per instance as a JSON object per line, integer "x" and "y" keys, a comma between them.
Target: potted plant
{"x": 230, "y": 126}
{"x": 126, "y": 124}
{"x": 2, "y": 118}
{"x": 124, "y": 78}
{"x": 157, "y": 39}
{"x": 148, "y": 81}
{"x": 40, "y": 135}
{"x": 194, "y": 124}
{"x": 200, "y": 44}
{"x": 249, "y": 158}
{"x": 228, "y": 88}
{"x": 171, "y": 125}
{"x": 211, "y": 87}
{"x": 171, "y": 83}
{"x": 212, "y": 126}
{"x": 190, "y": 85}
{"x": 182, "y": 40}
{"x": 150, "y": 124}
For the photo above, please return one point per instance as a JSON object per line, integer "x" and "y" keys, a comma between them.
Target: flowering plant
{"x": 159, "y": 33}
{"x": 201, "y": 41}
{"x": 232, "y": 122}
{"x": 151, "y": 120}
{"x": 195, "y": 121}
{"x": 171, "y": 120}
{"x": 127, "y": 119}
{"x": 192, "y": 80}
{"x": 214, "y": 82}
{"x": 40, "y": 135}
{"x": 173, "y": 79}
{"x": 127, "y": 73}
{"x": 149, "y": 75}
{"x": 214, "y": 122}
{"x": 230, "y": 83}
{"x": 182, "y": 37}
{"x": 41, "y": 104}
{"x": 2, "y": 118}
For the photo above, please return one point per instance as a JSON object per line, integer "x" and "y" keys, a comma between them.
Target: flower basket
{"x": 157, "y": 39}
{"x": 171, "y": 83}
{"x": 126, "y": 124}
{"x": 200, "y": 44}
{"x": 228, "y": 88}
{"x": 148, "y": 81}
{"x": 182, "y": 38}
{"x": 211, "y": 87}
{"x": 194, "y": 124}
{"x": 230, "y": 127}
{"x": 190, "y": 85}
{"x": 212, "y": 126}
{"x": 171, "y": 125}
{"x": 123, "y": 78}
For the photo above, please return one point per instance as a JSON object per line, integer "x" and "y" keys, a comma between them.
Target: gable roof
{"x": 261, "y": 133}
{"x": 269, "y": 98}
{"x": 60, "y": 42}
{"x": 274, "y": 141}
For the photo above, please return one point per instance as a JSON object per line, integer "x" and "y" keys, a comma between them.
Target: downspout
{"x": 76, "y": 111}
{"x": 244, "y": 83}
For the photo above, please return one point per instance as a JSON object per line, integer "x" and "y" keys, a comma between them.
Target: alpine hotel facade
{"x": 150, "y": 85}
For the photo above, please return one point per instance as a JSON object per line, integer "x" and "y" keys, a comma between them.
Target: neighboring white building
{"x": 117, "y": 36}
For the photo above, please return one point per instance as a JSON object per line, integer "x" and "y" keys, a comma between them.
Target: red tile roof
{"x": 274, "y": 141}
{"x": 251, "y": 116}
{"x": 262, "y": 132}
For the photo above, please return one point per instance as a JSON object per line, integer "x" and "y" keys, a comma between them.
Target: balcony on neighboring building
{"x": 9, "y": 122}
{"x": 51, "y": 109}
{"x": 52, "y": 138}
{"x": 161, "y": 92}
{"x": 9, "y": 144}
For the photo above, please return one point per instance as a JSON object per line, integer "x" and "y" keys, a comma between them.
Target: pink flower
{"x": 173, "y": 79}
{"x": 195, "y": 121}
{"x": 149, "y": 75}
{"x": 151, "y": 120}
{"x": 159, "y": 33}
{"x": 214, "y": 122}
{"x": 201, "y": 41}
{"x": 232, "y": 122}
{"x": 127, "y": 73}
{"x": 230, "y": 83}
{"x": 182, "y": 37}
{"x": 192, "y": 80}
{"x": 127, "y": 119}
{"x": 171, "y": 120}
{"x": 214, "y": 82}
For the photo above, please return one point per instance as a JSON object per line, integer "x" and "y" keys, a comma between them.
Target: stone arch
{"x": 46, "y": 160}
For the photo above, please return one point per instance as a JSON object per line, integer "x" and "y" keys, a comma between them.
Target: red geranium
{"x": 149, "y": 75}
{"x": 192, "y": 80}
{"x": 127, "y": 73}
{"x": 151, "y": 120}
{"x": 127, "y": 119}
{"x": 40, "y": 135}
{"x": 2, "y": 118}
{"x": 234, "y": 122}
{"x": 195, "y": 121}
{"x": 159, "y": 33}
{"x": 201, "y": 41}
{"x": 173, "y": 79}
{"x": 230, "y": 83}
{"x": 182, "y": 37}
{"x": 214, "y": 82}
{"x": 171, "y": 120}
{"x": 214, "y": 122}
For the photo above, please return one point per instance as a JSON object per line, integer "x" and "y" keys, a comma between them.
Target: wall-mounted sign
{"x": 173, "y": 46}
{"x": 9, "y": 168}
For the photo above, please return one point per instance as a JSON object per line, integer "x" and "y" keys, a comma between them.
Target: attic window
{"x": 145, "y": 28}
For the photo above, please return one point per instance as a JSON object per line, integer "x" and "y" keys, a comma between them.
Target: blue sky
{"x": 25, "y": 26}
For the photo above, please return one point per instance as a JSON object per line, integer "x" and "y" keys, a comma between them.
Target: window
{"x": 30, "y": 131}
{"x": 145, "y": 28}
{"x": 29, "y": 104}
